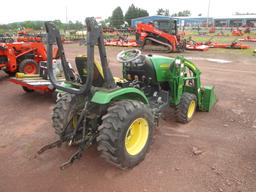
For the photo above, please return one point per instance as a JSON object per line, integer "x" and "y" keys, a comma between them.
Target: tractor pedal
{"x": 76, "y": 155}
{"x": 50, "y": 146}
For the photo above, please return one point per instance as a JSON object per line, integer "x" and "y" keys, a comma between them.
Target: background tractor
{"x": 22, "y": 56}
{"x": 162, "y": 32}
{"x": 120, "y": 114}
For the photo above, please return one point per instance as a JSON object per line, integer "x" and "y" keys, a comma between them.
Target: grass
{"x": 220, "y": 39}
{"x": 227, "y": 39}
{"x": 233, "y": 52}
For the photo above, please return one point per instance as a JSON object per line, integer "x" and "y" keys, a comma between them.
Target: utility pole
{"x": 66, "y": 27}
{"x": 66, "y": 14}
{"x": 208, "y": 12}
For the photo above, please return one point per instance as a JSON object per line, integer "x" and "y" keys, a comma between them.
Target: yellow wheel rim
{"x": 74, "y": 121}
{"x": 191, "y": 108}
{"x": 137, "y": 136}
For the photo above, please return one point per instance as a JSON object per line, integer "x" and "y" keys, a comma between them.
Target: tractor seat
{"x": 81, "y": 62}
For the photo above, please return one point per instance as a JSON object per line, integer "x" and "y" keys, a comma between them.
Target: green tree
{"x": 162, "y": 11}
{"x": 78, "y": 26}
{"x": 167, "y": 13}
{"x": 134, "y": 12}
{"x": 72, "y": 26}
{"x": 117, "y": 18}
{"x": 105, "y": 22}
{"x": 58, "y": 24}
{"x": 185, "y": 13}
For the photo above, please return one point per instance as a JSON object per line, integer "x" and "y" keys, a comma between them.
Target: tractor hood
{"x": 162, "y": 66}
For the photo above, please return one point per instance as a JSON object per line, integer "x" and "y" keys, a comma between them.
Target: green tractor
{"x": 120, "y": 114}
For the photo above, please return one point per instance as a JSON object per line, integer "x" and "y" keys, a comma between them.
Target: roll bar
{"x": 94, "y": 37}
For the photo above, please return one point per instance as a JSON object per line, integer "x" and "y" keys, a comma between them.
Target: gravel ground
{"x": 213, "y": 153}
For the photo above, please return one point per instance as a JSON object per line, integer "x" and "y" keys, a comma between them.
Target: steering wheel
{"x": 128, "y": 55}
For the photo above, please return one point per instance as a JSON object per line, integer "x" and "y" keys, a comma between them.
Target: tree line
{"x": 39, "y": 25}
{"x": 166, "y": 12}
{"x": 118, "y": 19}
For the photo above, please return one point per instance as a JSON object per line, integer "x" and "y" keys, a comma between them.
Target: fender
{"x": 106, "y": 96}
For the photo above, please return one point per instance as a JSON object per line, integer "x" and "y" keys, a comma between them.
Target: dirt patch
{"x": 215, "y": 152}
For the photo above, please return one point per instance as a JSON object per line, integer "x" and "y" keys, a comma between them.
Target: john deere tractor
{"x": 119, "y": 114}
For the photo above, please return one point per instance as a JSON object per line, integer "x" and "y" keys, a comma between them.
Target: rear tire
{"x": 28, "y": 66}
{"x": 55, "y": 95}
{"x": 27, "y": 90}
{"x": 65, "y": 109}
{"x": 185, "y": 110}
{"x": 125, "y": 134}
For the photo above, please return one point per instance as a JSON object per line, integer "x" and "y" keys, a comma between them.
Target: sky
{"x": 17, "y": 10}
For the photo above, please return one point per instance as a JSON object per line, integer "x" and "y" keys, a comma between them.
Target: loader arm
{"x": 178, "y": 79}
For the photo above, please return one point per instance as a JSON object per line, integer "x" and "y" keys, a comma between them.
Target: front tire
{"x": 185, "y": 110}
{"x": 125, "y": 134}
{"x": 28, "y": 66}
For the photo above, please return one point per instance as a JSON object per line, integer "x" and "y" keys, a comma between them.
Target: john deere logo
{"x": 164, "y": 65}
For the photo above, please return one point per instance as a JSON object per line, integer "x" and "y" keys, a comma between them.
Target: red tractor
{"x": 160, "y": 32}
{"x": 22, "y": 56}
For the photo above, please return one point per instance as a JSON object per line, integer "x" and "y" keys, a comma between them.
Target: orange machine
{"x": 29, "y": 39}
{"x": 237, "y": 32}
{"x": 24, "y": 36}
{"x": 22, "y": 56}
{"x": 160, "y": 32}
